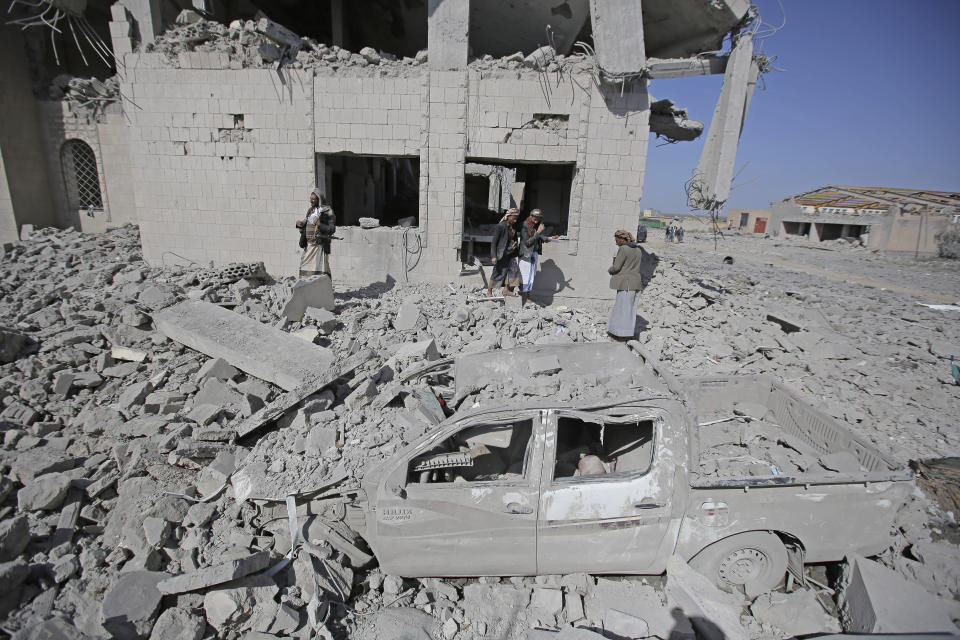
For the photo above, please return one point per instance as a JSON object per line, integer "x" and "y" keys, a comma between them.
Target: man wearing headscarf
{"x": 316, "y": 229}
{"x": 504, "y": 251}
{"x": 531, "y": 247}
{"x": 626, "y": 278}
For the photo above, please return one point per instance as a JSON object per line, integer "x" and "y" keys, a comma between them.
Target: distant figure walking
{"x": 316, "y": 230}
{"x": 531, "y": 248}
{"x": 626, "y": 278}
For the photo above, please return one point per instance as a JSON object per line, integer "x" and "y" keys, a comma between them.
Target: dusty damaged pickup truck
{"x": 588, "y": 458}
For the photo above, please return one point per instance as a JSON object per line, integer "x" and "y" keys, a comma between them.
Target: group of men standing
{"x": 515, "y": 251}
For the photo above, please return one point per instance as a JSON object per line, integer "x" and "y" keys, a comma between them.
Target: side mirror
{"x": 398, "y": 491}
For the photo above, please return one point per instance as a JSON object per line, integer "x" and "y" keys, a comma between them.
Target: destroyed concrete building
{"x": 886, "y": 219}
{"x": 215, "y": 130}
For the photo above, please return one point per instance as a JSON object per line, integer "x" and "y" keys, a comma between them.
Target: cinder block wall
{"x": 223, "y": 160}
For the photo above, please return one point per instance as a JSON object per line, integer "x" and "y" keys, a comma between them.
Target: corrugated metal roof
{"x": 877, "y": 197}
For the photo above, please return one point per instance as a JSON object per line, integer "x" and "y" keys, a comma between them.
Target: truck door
{"x": 464, "y": 503}
{"x": 605, "y": 502}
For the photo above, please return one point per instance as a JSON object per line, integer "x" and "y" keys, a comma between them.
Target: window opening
{"x": 601, "y": 448}
{"x": 385, "y": 188}
{"x": 476, "y": 454}
{"x": 80, "y": 174}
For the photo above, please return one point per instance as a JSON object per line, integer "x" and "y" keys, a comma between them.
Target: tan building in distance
{"x": 886, "y": 219}
{"x": 749, "y": 220}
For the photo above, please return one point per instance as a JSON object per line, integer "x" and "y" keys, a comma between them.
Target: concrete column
{"x": 121, "y": 31}
{"x": 448, "y": 29}
{"x": 618, "y": 35}
{"x": 147, "y": 16}
{"x": 447, "y": 136}
{"x": 715, "y": 169}
{"x": 21, "y": 144}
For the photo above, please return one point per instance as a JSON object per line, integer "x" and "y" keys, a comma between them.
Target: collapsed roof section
{"x": 861, "y": 198}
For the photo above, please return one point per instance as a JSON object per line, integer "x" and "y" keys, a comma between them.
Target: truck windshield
{"x": 598, "y": 448}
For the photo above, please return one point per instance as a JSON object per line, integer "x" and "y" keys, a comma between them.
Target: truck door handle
{"x": 515, "y": 507}
{"x": 648, "y": 505}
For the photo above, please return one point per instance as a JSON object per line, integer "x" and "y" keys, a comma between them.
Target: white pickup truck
{"x": 533, "y": 485}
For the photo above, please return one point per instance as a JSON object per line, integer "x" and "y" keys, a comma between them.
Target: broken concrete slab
{"x": 130, "y": 605}
{"x": 713, "y": 613}
{"x": 219, "y": 574}
{"x": 128, "y": 354}
{"x": 325, "y": 320}
{"x": 312, "y": 292}
{"x": 795, "y": 614}
{"x": 875, "y": 599}
{"x": 178, "y": 624}
{"x": 216, "y": 368}
{"x": 14, "y": 537}
{"x": 409, "y": 318}
{"x": 228, "y": 609}
{"x": 44, "y": 493}
{"x": 257, "y": 349}
{"x": 281, "y": 405}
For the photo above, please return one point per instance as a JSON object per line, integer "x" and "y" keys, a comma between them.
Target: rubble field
{"x": 142, "y": 497}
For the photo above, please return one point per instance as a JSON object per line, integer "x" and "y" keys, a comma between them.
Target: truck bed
{"x": 753, "y": 431}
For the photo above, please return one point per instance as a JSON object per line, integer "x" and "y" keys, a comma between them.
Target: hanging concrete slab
{"x": 255, "y": 348}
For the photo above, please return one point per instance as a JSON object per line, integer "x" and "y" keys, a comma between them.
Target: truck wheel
{"x": 755, "y": 561}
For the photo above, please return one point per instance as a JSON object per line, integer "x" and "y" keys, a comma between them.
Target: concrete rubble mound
{"x": 263, "y": 43}
{"x": 152, "y": 490}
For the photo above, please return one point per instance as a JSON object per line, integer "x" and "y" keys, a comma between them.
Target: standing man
{"x": 316, "y": 230}
{"x": 531, "y": 246}
{"x": 504, "y": 252}
{"x": 626, "y": 278}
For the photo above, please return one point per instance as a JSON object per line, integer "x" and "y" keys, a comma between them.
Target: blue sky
{"x": 870, "y": 95}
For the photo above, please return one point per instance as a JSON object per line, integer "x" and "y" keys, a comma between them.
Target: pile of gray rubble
{"x": 143, "y": 497}
{"x": 263, "y": 43}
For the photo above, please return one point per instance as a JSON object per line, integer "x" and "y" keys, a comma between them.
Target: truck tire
{"x": 755, "y": 561}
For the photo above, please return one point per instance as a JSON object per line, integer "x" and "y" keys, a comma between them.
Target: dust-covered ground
{"x": 129, "y": 508}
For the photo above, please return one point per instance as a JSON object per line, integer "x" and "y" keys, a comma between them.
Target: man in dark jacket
{"x": 504, "y": 252}
{"x": 316, "y": 231}
{"x": 531, "y": 247}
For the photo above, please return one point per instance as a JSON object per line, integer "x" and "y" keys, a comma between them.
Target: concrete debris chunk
{"x": 324, "y": 318}
{"x": 219, "y": 574}
{"x": 14, "y": 537}
{"x": 230, "y": 609}
{"x": 216, "y": 368}
{"x": 875, "y": 599}
{"x": 370, "y": 223}
{"x": 128, "y": 354}
{"x": 409, "y": 318}
{"x": 44, "y": 493}
{"x": 178, "y": 624}
{"x": 316, "y": 291}
{"x": 712, "y": 612}
{"x": 795, "y": 614}
{"x": 130, "y": 605}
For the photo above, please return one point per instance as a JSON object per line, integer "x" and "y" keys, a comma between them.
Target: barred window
{"x": 80, "y": 175}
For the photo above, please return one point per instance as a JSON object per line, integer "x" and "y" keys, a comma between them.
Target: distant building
{"x": 749, "y": 220}
{"x": 887, "y": 219}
